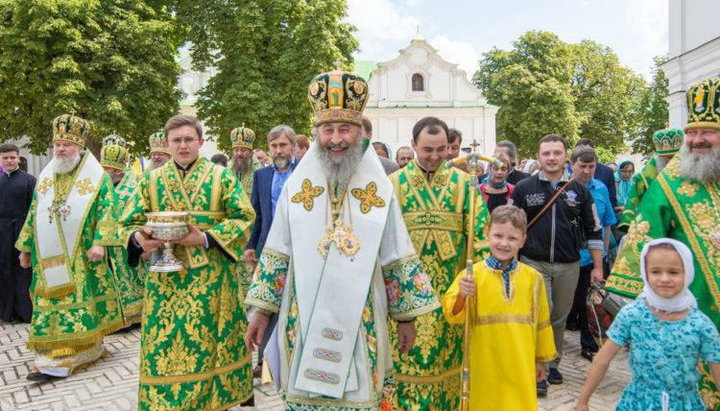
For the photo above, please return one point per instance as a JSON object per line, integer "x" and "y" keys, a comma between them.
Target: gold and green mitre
{"x": 668, "y": 141}
{"x": 703, "y": 101}
{"x": 157, "y": 142}
{"x": 114, "y": 152}
{"x": 338, "y": 97}
{"x": 68, "y": 127}
{"x": 242, "y": 137}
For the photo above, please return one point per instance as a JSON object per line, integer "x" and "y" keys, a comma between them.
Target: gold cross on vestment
{"x": 306, "y": 196}
{"x": 44, "y": 185}
{"x": 85, "y": 186}
{"x": 367, "y": 197}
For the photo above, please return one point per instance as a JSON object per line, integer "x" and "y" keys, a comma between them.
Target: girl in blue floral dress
{"x": 666, "y": 333}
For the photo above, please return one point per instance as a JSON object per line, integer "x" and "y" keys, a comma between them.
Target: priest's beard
{"x": 340, "y": 170}
{"x": 156, "y": 164}
{"x": 701, "y": 167}
{"x": 66, "y": 165}
{"x": 241, "y": 166}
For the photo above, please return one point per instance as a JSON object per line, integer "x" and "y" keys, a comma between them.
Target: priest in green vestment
{"x": 114, "y": 157}
{"x": 435, "y": 200}
{"x": 244, "y": 165}
{"x": 667, "y": 143}
{"x": 159, "y": 154}
{"x": 338, "y": 265}
{"x": 64, "y": 237}
{"x": 684, "y": 204}
{"x": 192, "y": 351}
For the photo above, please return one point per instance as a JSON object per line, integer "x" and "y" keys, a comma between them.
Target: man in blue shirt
{"x": 267, "y": 186}
{"x": 584, "y": 161}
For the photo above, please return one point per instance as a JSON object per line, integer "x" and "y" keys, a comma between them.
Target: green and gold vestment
{"x": 683, "y": 209}
{"x": 641, "y": 182}
{"x": 129, "y": 279}
{"x": 192, "y": 352}
{"x": 246, "y": 180}
{"x": 436, "y": 214}
{"x": 67, "y": 325}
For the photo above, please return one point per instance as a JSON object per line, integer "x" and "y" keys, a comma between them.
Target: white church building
{"x": 420, "y": 83}
{"x": 694, "y": 51}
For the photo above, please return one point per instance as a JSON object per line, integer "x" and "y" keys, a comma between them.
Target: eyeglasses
{"x": 180, "y": 140}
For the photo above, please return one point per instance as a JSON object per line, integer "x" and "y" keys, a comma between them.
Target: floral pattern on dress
{"x": 664, "y": 356}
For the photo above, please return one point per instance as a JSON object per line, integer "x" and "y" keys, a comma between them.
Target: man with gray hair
{"x": 266, "y": 188}
{"x": 337, "y": 265}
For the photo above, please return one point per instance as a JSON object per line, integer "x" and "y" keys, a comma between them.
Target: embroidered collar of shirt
{"x": 428, "y": 174}
{"x": 496, "y": 264}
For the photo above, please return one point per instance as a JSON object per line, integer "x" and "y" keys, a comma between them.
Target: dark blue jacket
{"x": 261, "y": 200}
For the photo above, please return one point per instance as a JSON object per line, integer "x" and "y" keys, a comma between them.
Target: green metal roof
{"x": 364, "y": 68}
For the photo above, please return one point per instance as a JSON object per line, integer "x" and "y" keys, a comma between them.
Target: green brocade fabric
{"x": 72, "y": 323}
{"x": 129, "y": 279}
{"x": 436, "y": 213}
{"x": 246, "y": 180}
{"x": 641, "y": 182}
{"x": 689, "y": 212}
{"x": 192, "y": 352}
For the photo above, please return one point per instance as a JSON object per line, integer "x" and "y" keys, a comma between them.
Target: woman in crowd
{"x": 623, "y": 183}
{"x": 495, "y": 188}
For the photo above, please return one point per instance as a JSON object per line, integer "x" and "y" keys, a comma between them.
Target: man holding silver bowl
{"x": 196, "y": 218}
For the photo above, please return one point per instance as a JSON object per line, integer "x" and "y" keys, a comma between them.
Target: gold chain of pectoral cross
{"x": 338, "y": 232}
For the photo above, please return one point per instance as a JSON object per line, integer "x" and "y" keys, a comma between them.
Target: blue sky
{"x": 637, "y": 30}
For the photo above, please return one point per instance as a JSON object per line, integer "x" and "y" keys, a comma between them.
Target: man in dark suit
{"x": 267, "y": 186}
{"x": 602, "y": 172}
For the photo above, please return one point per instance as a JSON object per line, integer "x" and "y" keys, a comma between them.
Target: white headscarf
{"x": 528, "y": 165}
{"x": 684, "y": 299}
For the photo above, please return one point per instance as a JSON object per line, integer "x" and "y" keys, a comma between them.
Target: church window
{"x": 418, "y": 82}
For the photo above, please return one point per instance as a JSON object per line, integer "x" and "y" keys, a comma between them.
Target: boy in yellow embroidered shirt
{"x": 511, "y": 337}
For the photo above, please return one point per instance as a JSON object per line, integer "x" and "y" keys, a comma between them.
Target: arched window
{"x": 418, "y": 82}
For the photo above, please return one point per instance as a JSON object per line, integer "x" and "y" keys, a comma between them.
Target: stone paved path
{"x": 111, "y": 384}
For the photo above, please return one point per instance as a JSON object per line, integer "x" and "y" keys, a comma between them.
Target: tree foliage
{"x": 652, "y": 110}
{"x": 544, "y": 85}
{"x": 266, "y": 53}
{"x": 110, "y": 61}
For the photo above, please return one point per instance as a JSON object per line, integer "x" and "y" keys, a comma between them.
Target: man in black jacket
{"x": 554, "y": 241}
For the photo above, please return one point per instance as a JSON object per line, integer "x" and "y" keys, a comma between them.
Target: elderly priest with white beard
{"x": 70, "y": 222}
{"x": 338, "y": 260}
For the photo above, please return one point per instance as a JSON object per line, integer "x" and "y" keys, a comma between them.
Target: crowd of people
{"x": 431, "y": 281}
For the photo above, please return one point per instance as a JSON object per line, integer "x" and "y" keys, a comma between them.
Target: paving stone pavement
{"x": 111, "y": 383}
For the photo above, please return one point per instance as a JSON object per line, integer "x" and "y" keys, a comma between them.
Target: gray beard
{"x": 241, "y": 166}
{"x": 156, "y": 164}
{"x": 340, "y": 171}
{"x": 66, "y": 165}
{"x": 703, "y": 168}
{"x": 281, "y": 162}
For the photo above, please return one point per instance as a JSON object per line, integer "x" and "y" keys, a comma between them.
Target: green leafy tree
{"x": 110, "y": 61}
{"x": 532, "y": 85}
{"x": 266, "y": 53}
{"x": 605, "y": 96}
{"x": 652, "y": 110}
{"x": 544, "y": 85}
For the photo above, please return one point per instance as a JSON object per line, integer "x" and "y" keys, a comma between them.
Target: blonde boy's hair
{"x": 508, "y": 213}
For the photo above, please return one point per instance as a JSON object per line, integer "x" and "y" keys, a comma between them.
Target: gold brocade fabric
{"x": 193, "y": 356}
{"x": 436, "y": 213}
{"x": 69, "y": 324}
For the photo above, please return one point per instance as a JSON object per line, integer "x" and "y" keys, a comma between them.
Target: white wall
{"x": 694, "y": 45}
